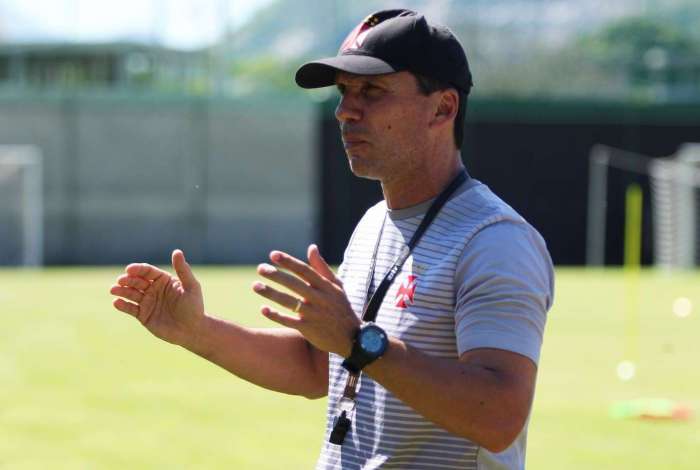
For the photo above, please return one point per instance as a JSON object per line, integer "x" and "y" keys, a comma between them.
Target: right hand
{"x": 172, "y": 308}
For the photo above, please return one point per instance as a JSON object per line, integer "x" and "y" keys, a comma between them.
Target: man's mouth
{"x": 352, "y": 141}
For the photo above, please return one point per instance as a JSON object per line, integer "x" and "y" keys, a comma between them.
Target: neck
{"x": 422, "y": 185}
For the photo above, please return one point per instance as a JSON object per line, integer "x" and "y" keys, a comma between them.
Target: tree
{"x": 650, "y": 52}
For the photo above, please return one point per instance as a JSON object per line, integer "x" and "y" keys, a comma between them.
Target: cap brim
{"x": 320, "y": 73}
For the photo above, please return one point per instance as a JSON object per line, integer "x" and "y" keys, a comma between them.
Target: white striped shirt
{"x": 480, "y": 277}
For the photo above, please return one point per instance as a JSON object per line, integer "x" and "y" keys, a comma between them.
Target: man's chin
{"x": 359, "y": 168}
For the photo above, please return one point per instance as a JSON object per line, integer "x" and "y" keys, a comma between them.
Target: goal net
{"x": 674, "y": 184}
{"x": 21, "y": 206}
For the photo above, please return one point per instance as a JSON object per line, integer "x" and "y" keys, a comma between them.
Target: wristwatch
{"x": 369, "y": 344}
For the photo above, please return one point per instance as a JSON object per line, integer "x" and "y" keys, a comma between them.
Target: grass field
{"x": 83, "y": 386}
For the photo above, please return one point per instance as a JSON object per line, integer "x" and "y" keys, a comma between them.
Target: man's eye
{"x": 371, "y": 90}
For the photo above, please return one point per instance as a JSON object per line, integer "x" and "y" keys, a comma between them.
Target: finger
{"x": 298, "y": 267}
{"x": 285, "y": 300}
{"x": 319, "y": 264}
{"x": 126, "y": 307}
{"x": 287, "y": 280}
{"x": 135, "y": 282}
{"x": 146, "y": 271}
{"x": 285, "y": 320}
{"x": 128, "y": 293}
{"x": 184, "y": 271}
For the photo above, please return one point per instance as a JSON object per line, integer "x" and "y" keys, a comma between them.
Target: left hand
{"x": 326, "y": 318}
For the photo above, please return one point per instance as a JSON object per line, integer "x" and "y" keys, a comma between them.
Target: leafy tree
{"x": 649, "y": 51}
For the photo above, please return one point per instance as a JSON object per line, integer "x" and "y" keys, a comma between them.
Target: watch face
{"x": 372, "y": 340}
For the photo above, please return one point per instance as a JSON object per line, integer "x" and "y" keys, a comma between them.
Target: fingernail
{"x": 275, "y": 256}
{"x": 258, "y": 286}
{"x": 265, "y": 269}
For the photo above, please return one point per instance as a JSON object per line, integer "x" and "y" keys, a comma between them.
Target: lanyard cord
{"x": 342, "y": 422}
{"x": 372, "y": 307}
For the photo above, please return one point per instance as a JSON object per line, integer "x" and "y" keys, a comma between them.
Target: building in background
{"x": 121, "y": 66}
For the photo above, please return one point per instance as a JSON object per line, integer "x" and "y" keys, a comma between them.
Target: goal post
{"x": 21, "y": 205}
{"x": 675, "y": 184}
{"x": 675, "y": 202}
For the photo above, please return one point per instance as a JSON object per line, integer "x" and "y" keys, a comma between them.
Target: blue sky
{"x": 175, "y": 23}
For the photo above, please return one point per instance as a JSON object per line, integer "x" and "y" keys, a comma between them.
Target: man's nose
{"x": 347, "y": 109}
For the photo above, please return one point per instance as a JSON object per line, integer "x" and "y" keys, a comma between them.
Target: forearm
{"x": 276, "y": 359}
{"x": 469, "y": 399}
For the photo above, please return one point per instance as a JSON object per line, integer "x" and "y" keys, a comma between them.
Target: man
{"x": 444, "y": 375}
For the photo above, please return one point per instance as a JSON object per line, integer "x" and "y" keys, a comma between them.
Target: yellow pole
{"x": 633, "y": 227}
{"x": 632, "y": 267}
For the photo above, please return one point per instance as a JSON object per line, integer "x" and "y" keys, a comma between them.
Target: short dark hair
{"x": 429, "y": 85}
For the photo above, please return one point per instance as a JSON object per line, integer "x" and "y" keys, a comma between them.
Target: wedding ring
{"x": 298, "y": 306}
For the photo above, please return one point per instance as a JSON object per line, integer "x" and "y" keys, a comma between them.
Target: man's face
{"x": 384, "y": 124}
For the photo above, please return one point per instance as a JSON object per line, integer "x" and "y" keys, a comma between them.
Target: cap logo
{"x": 357, "y": 36}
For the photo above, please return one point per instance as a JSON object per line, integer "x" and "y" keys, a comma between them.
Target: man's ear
{"x": 447, "y": 107}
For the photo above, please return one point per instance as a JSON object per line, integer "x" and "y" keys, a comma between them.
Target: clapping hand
{"x": 170, "y": 307}
{"x": 323, "y": 314}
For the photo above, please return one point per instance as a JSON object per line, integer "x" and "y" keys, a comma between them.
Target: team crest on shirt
{"x": 404, "y": 296}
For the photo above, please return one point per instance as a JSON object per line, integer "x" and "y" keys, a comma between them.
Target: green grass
{"x": 584, "y": 341}
{"x": 83, "y": 386}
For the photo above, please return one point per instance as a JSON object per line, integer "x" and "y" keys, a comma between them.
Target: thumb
{"x": 320, "y": 266}
{"x": 184, "y": 271}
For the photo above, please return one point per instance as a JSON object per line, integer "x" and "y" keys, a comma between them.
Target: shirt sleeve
{"x": 505, "y": 287}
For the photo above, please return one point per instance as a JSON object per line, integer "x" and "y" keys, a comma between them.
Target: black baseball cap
{"x": 393, "y": 41}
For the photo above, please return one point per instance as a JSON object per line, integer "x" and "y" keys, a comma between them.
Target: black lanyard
{"x": 372, "y": 307}
{"x": 341, "y": 424}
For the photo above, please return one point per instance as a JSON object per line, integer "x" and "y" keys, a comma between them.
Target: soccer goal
{"x": 675, "y": 198}
{"x": 21, "y": 205}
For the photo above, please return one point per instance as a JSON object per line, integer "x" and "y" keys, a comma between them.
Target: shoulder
{"x": 480, "y": 206}
{"x": 370, "y": 222}
{"x": 474, "y": 209}
{"x": 375, "y": 212}
{"x": 497, "y": 237}
{"x": 495, "y": 228}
